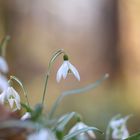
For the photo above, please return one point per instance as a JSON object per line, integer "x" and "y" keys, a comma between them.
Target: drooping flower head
{"x": 82, "y": 136}
{"x": 66, "y": 68}
{"x": 119, "y": 128}
{"x": 11, "y": 96}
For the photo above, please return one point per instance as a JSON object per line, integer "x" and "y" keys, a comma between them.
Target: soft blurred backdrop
{"x": 100, "y": 36}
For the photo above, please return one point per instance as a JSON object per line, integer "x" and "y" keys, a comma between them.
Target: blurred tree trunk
{"x": 129, "y": 22}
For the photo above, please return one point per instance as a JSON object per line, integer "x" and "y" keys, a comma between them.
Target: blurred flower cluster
{"x": 22, "y": 121}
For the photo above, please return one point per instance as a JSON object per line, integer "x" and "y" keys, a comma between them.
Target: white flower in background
{"x": 11, "y": 96}
{"x": 26, "y": 116}
{"x": 121, "y": 133}
{"x": 3, "y": 65}
{"x": 65, "y": 68}
{"x": 85, "y": 135}
{"x": 3, "y": 83}
{"x": 119, "y": 128}
{"x": 43, "y": 134}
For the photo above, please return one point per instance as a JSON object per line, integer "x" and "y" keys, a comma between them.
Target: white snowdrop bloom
{"x": 117, "y": 123}
{"x": 65, "y": 68}
{"x": 3, "y": 65}
{"x": 121, "y": 133}
{"x": 3, "y": 83}
{"x": 119, "y": 128}
{"x": 85, "y": 135}
{"x": 26, "y": 116}
{"x": 43, "y": 134}
{"x": 11, "y": 96}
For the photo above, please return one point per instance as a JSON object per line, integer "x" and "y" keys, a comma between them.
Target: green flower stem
{"x": 22, "y": 87}
{"x": 51, "y": 62}
{"x": 26, "y": 96}
{"x": 3, "y": 45}
{"x": 107, "y": 137}
{"x": 45, "y": 88}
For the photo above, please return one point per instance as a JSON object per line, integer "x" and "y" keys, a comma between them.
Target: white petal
{"x": 65, "y": 69}
{"x": 43, "y": 134}
{"x": 79, "y": 126}
{"x": 15, "y": 97}
{"x": 11, "y": 102}
{"x": 3, "y": 65}
{"x": 116, "y": 123}
{"x": 74, "y": 71}
{"x": 125, "y": 134}
{"x": 74, "y": 128}
{"x": 120, "y": 133}
{"x": 2, "y": 97}
{"x": 27, "y": 115}
{"x": 3, "y": 83}
{"x": 15, "y": 94}
{"x": 18, "y": 105}
{"x": 115, "y": 134}
{"x": 59, "y": 73}
{"x": 62, "y": 72}
{"x": 91, "y": 134}
{"x": 12, "y": 92}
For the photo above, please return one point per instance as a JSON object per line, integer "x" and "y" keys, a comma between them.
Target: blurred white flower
{"x": 26, "y": 116}
{"x": 3, "y": 83}
{"x": 43, "y": 134}
{"x": 2, "y": 98}
{"x": 65, "y": 68}
{"x": 12, "y": 97}
{"x": 85, "y": 135}
{"x": 119, "y": 128}
{"x": 3, "y": 65}
{"x": 121, "y": 133}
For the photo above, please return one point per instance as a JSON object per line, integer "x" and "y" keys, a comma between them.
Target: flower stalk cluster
{"x": 40, "y": 125}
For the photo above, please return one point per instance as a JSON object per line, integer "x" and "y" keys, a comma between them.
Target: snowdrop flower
{"x": 65, "y": 68}
{"x": 121, "y": 133}
{"x": 3, "y": 83}
{"x": 3, "y": 65}
{"x": 119, "y": 128}
{"x": 26, "y": 116}
{"x": 43, "y": 134}
{"x": 85, "y": 135}
{"x": 11, "y": 96}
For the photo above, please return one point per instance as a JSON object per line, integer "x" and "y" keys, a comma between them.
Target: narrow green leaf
{"x": 76, "y": 91}
{"x": 72, "y": 135}
{"x": 55, "y": 54}
{"x": 17, "y": 80}
{"x": 52, "y": 60}
{"x": 3, "y": 45}
{"x": 64, "y": 120}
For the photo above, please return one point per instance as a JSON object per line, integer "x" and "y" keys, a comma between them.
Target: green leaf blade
{"x": 72, "y": 135}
